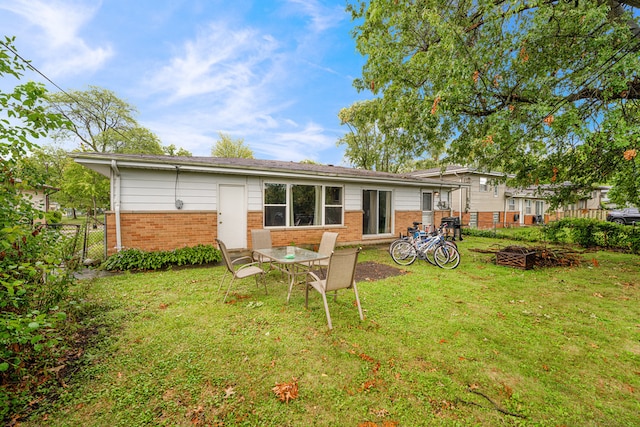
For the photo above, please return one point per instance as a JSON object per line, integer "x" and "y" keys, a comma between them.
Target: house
{"x": 38, "y": 197}
{"x": 487, "y": 202}
{"x": 164, "y": 202}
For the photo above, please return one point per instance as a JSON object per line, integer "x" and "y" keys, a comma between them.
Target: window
{"x": 305, "y": 205}
{"x": 297, "y": 205}
{"x": 427, "y": 202}
{"x": 484, "y": 186}
{"x": 495, "y": 191}
{"x": 333, "y": 205}
{"x": 442, "y": 199}
{"x": 377, "y": 212}
{"x": 473, "y": 219}
{"x": 539, "y": 207}
{"x": 275, "y": 205}
{"x": 527, "y": 207}
{"x": 511, "y": 204}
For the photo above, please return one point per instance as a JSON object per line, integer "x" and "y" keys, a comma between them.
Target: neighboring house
{"x": 162, "y": 202}
{"x": 38, "y": 197}
{"x": 487, "y": 202}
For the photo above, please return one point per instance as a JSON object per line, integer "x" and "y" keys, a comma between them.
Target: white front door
{"x": 232, "y": 216}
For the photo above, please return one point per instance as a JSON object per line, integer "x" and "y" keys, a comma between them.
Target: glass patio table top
{"x": 291, "y": 257}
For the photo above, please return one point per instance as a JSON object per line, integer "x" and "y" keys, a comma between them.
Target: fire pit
{"x": 517, "y": 257}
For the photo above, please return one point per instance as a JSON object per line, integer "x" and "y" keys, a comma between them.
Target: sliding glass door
{"x": 376, "y": 205}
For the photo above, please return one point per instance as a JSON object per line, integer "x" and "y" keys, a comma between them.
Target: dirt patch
{"x": 370, "y": 271}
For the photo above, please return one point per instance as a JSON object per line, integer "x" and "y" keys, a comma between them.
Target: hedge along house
{"x": 163, "y": 202}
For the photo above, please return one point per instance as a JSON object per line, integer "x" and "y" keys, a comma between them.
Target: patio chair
{"x": 260, "y": 239}
{"x": 341, "y": 273}
{"x": 238, "y": 270}
{"x": 327, "y": 245}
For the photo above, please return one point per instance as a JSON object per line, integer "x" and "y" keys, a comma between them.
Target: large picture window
{"x": 298, "y": 205}
{"x": 376, "y": 205}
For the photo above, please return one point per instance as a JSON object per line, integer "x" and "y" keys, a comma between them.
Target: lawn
{"x": 481, "y": 345}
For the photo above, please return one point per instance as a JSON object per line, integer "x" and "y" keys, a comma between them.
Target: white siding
{"x": 146, "y": 190}
{"x": 254, "y": 194}
{"x": 143, "y": 190}
{"x": 407, "y": 199}
{"x": 352, "y": 197}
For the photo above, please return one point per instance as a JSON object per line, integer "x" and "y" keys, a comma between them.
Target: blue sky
{"x": 273, "y": 72}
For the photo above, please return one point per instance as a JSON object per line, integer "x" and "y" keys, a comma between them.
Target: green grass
{"x": 557, "y": 346}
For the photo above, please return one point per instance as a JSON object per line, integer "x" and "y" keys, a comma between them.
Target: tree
{"x": 82, "y": 188}
{"x": 137, "y": 140}
{"x": 231, "y": 148}
{"x": 378, "y": 141}
{"x": 32, "y": 282}
{"x": 547, "y": 91}
{"x": 94, "y": 113}
{"x": 171, "y": 150}
{"x": 102, "y": 122}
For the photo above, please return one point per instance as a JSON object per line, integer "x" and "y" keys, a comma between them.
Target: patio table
{"x": 291, "y": 258}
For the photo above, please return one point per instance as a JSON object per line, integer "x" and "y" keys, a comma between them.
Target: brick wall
{"x": 405, "y": 219}
{"x": 348, "y": 233}
{"x": 155, "y": 231}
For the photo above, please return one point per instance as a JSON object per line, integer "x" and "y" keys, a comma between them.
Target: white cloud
{"x": 240, "y": 81}
{"x": 53, "y": 28}
{"x": 220, "y": 61}
{"x": 322, "y": 17}
{"x": 294, "y": 145}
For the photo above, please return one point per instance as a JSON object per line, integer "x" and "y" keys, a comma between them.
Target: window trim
{"x": 288, "y": 204}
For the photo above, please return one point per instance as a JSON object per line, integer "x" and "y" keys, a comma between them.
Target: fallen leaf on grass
{"x": 366, "y": 357}
{"x": 380, "y": 412}
{"x": 228, "y": 392}
{"x": 368, "y": 385}
{"x": 597, "y": 295}
{"x": 286, "y": 391}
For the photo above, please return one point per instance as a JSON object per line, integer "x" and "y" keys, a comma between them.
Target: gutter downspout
{"x": 116, "y": 202}
{"x": 460, "y": 197}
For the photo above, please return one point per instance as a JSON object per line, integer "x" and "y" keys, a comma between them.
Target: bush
{"x": 135, "y": 259}
{"x": 588, "y": 233}
{"x": 527, "y": 234}
{"x": 53, "y": 217}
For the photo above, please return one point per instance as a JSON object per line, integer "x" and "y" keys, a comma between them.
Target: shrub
{"x": 589, "y": 232}
{"x": 136, "y": 259}
{"x": 53, "y": 217}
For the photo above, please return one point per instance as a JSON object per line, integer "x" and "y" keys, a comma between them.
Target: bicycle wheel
{"x": 395, "y": 242}
{"x": 403, "y": 253}
{"x": 427, "y": 250}
{"x": 447, "y": 257}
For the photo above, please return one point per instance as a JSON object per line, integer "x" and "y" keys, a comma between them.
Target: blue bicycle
{"x": 431, "y": 247}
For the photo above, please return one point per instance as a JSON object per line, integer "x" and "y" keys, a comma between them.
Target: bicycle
{"x": 431, "y": 247}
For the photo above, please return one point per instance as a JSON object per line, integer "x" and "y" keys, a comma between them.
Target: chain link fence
{"x": 93, "y": 246}
{"x": 80, "y": 244}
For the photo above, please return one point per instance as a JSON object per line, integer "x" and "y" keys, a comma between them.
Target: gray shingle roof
{"x": 253, "y": 165}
